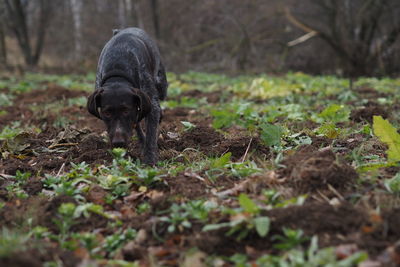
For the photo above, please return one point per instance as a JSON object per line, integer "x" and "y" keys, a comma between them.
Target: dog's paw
{"x": 150, "y": 159}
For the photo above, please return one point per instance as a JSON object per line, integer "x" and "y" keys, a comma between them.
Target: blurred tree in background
{"x": 350, "y": 37}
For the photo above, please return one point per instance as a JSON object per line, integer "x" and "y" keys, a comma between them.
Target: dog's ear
{"x": 94, "y": 102}
{"x": 144, "y": 103}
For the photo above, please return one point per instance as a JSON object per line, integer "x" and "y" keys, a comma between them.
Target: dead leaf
{"x": 141, "y": 236}
{"x": 154, "y": 194}
{"x": 127, "y": 212}
{"x": 159, "y": 251}
{"x": 81, "y": 253}
{"x": 194, "y": 259}
{"x": 97, "y": 195}
{"x": 346, "y": 250}
{"x": 133, "y": 196}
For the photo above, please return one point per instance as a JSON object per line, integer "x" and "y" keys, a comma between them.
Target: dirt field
{"x": 345, "y": 210}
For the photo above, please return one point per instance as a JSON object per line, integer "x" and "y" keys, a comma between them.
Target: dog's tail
{"x": 115, "y": 31}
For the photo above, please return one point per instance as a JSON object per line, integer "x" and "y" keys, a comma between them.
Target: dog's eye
{"x": 106, "y": 114}
{"x": 125, "y": 112}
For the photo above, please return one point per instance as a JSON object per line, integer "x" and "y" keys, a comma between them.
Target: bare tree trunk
{"x": 137, "y": 18}
{"x": 3, "y": 51}
{"x": 121, "y": 14}
{"x": 128, "y": 12}
{"x": 76, "y": 8}
{"x": 17, "y": 23}
{"x": 156, "y": 18}
{"x": 352, "y": 29}
{"x": 44, "y": 16}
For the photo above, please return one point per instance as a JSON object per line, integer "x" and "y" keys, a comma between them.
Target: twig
{"x": 247, "y": 150}
{"x": 194, "y": 175}
{"x": 302, "y": 39}
{"x": 6, "y": 176}
{"x": 62, "y": 144}
{"x": 323, "y": 196}
{"x": 335, "y": 192}
{"x": 310, "y": 33}
{"x": 61, "y": 169}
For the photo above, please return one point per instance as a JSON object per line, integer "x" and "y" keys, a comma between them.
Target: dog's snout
{"x": 118, "y": 139}
{"x": 119, "y": 143}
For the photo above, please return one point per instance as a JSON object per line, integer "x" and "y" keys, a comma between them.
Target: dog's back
{"x": 132, "y": 52}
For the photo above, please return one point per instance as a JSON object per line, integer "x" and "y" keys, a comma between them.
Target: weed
{"x": 12, "y": 241}
{"x": 117, "y": 240}
{"x": 188, "y": 125}
{"x": 244, "y": 220}
{"x": 290, "y": 239}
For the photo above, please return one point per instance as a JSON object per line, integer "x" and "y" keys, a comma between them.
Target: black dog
{"x": 130, "y": 81}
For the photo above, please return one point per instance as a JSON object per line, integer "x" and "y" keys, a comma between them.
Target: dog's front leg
{"x": 140, "y": 135}
{"x": 150, "y": 151}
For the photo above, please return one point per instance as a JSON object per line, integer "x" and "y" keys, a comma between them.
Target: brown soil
{"x": 212, "y": 97}
{"x": 370, "y": 93}
{"x": 366, "y": 113}
{"x": 334, "y": 225}
{"x": 314, "y": 169}
{"x": 310, "y": 169}
{"x": 212, "y": 143}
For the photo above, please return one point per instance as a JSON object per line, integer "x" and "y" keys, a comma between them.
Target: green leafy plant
{"x": 188, "y": 125}
{"x": 9, "y": 132}
{"x": 290, "y": 239}
{"x": 393, "y": 184}
{"x": 15, "y": 187}
{"x": 388, "y": 135}
{"x": 12, "y": 241}
{"x": 244, "y": 221}
{"x": 271, "y": 134}
{"x": 312, "y": 256}
{"x": 180, "y": 216}
{"x": 333, "y": 114}
{"x": 115, "y": 241}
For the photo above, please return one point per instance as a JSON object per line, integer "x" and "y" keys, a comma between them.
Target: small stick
{"x": 323, "y": 196}
{"x": 194, "y": 175}
{"x": 247, "y": 150}
{"x": 61, "y": 168}
{"x": 335, "y": 192}
{"x": 6, "y": 176}
{"x": 63, "y": 144}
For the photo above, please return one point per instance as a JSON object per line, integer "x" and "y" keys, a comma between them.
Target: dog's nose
{"x": 119, "y": 143}
{"x": 118, "y": 139}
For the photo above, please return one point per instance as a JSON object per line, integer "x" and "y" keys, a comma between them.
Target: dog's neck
{"x": 117, "y": 79}
{"x": 117, "y": 76}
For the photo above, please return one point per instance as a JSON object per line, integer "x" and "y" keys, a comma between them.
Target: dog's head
{"x": 121, "y": 109}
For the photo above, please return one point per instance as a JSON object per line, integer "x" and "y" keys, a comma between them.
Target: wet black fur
{"x": 130, "y": 82}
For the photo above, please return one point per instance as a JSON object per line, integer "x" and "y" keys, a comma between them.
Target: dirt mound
{"x": 310, "y": 170}
{"x": 382, "y": 232}
{"x": 91, "y": 149}
{"x": 212, "y": 97}
{"x": 366, "y": 113}
{"x": 316, "y": 218}
{"x": 15, "y": 113}
{"x": 16, "y": 212}
{"x": 238, "y": 147}
{"x": 202, "y": 138}
{"x": 51, "y": 93}
{"x": 189, "y": 187}
{"x": 331, "y": 224}
{"x": 211, "y": 143}
{"x": 369, "y": 93}
{"x": 192, "y": 186}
